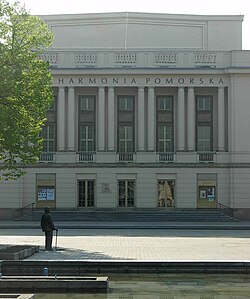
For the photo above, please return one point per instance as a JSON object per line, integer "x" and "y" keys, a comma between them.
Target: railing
{"x": 27, "y": 210}
{"x": 225, "y": 209}
{"x": 47, "y": 157}
{"x": 150, "y": 58}
{"x": 86, "y": 157}
{"x": 166, "y": 157}
{"x": 126, "y": 157}
{"x": 206, "y": 157}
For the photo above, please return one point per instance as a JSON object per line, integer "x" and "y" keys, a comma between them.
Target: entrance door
{"x": 166, "y": 193}
{"x": 126, "y": 193}
{"x": 207, "y": 197}
{"x": 86, "y": 194}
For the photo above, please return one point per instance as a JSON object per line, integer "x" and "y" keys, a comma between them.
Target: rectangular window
{"x": 126, "y": 124}
{"x": 204, "y": 123}
{"x": 86, "y": 129}
{"x": 204, "y": 103}
{"x": 126, "y": 193}
{"x": 164, "y": 139}
{"x": 125, "y": 139}
{"x": 49, "y": 136}
{"x": 87, "y": 138}
{"x": 164, "y": 102}
{"x": 203, "y": 138}
{"x": 87, "y": 102}
{"x": 53, "y": 105}
{"x": 126, "y": 103}
{"x": 86, "y": 194}
{"x": 165, "y": 121}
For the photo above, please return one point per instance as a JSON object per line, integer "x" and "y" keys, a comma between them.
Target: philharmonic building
{"x": 151, "y": 111}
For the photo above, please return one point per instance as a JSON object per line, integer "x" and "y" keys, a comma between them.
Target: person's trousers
{"x": 48, "y": 240}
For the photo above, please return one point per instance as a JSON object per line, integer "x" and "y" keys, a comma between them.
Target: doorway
{"x": 86, "y": 194}
{"x": 166, "y": 194}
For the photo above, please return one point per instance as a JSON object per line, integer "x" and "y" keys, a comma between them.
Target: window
{"x": 126, "y": 193}
{"x": 87, "y": 102}
{"x": 87, "y": 138}
{"x": 87, "y": 127}
{"x": 126, "y": 103}
{"x": 164, "y": 103}
{"x": 53, "y": 105}
{"x": 165, "y": 115}
{"x": 204, "y": 103}
{"x": 86, "y": 193}
{"x": 204, "y": 138}
{"x": 125, "y": 139}
{"x": 204, "y": 123}
{"x": 126, "y": 124}
{"x": 164, "y": 139}
{"x": 48, "y": 134}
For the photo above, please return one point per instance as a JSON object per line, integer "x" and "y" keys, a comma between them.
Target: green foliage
{"x": 25, "y": 87}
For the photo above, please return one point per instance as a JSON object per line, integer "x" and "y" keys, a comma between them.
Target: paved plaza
{"x": 136, "y": 244}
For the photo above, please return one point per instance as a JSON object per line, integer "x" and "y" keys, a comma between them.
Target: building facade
{"x": 151, "y": 111}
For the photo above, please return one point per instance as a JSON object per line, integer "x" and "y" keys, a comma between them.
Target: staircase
{"x": 180, "y": 215}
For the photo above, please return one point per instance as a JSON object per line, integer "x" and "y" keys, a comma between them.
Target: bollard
{"x": 45, "y": 271}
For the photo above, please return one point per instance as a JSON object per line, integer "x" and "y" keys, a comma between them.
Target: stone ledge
{"x": 50, "y": 284}
{"x": 17, "y": 252}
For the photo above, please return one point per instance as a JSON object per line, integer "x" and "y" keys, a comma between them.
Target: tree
{"x": 25, "y": 87}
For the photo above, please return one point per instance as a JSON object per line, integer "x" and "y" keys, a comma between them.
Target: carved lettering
{"x": 132, "y": 81}
{"x": 92, "y": 81}
{"x": 104, "y": 80}
{"x": 169, "y": 81}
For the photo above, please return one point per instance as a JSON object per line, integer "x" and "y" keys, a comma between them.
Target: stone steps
{"x": 138, "y": 216}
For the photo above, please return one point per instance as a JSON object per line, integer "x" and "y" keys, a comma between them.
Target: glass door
{"x": 166, "y": 193}
{"x": 126, "y": 193}
{"x": 86, "y": 194}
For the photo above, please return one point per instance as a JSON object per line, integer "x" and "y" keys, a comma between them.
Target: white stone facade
{"x": 151, "y": 112}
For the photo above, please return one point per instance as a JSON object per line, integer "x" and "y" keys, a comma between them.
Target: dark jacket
{"x": 47, "y": 223}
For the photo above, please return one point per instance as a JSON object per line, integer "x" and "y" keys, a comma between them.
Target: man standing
{"x": 48, "y": 227}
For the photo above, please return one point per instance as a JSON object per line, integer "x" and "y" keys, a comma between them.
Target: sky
{"x": 197, "y": 7}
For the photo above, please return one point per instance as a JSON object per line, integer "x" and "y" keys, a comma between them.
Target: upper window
{"x": 87, "y": 103}
{"x": 49, "y": 138}
{"x": 165, "y": 103}
{"x": 204, "y": 103}
{"x": 126, "y": 103}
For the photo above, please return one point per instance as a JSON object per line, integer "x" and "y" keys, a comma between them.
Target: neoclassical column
{"x": 141, "y": 119}
{"x": 71, "y": 119}
{"x": 101, "y": 118}
{"x": 181, "y": 119}
{"x": 191, "y": 119}
{"x": 111, "y": 119}
{"x": 61, "y": 119}
{"x": 151, "y": 119}
{"x": 221, "y": 119}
